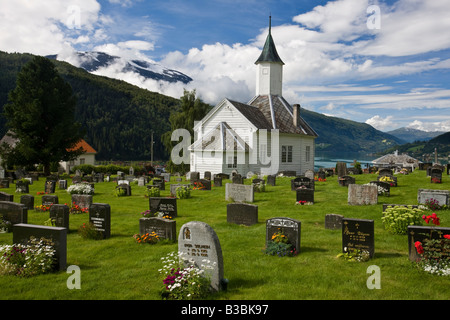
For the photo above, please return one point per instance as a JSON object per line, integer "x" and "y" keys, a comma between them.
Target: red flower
{"x": 434, "y": 218}
{"x": 447, "y": 236}
{"x": 419, "y": 247}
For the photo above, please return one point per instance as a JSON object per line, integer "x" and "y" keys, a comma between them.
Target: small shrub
{"x": 183, "y": 192}
{"x": 396, "y": 219}
{"x": 88, "y": 231}
{"x": 152, "y": 192}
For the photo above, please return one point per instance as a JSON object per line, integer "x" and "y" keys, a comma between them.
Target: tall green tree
{"x": 40, "y": 117}
{"x": 192, "y": 109}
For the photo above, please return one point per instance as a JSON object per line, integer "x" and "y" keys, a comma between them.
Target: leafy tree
{"x": 40, "y": 117}
{"x": 191, "y": 109}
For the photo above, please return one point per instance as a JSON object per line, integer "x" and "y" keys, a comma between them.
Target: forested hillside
{"x": 118, "y": 117}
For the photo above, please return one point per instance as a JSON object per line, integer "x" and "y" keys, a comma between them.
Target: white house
{"x": 267, "y": 135}
{"x": 88, "y": 157}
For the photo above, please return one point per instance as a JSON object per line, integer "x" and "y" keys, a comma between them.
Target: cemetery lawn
{"x": 118, "y": 268}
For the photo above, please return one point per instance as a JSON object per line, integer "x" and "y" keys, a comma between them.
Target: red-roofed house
{"x": 86, "y": 158}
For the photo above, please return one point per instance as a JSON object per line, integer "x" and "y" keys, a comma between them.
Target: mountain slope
{"x": 93, "y": 61}
{"x": 411, "y": 134}
{"x": 337, "y": 134}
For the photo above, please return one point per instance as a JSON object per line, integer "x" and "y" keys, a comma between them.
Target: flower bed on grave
{"x": 280, "y": 245}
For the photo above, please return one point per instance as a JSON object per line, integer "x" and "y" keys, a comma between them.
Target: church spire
{"x": 269, "y": 52}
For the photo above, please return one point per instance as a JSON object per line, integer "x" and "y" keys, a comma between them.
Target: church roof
{"x": 269, "y": 52}
{"x": 279, "y": 113}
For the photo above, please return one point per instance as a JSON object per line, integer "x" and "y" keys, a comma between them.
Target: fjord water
{"x": 329, "y": 160}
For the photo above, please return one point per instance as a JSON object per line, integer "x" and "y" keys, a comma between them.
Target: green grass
{"x": 119, "y": 269}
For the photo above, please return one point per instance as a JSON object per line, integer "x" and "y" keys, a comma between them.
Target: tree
{"x": 191, "y": 109}
{"x": 40, "y": 116}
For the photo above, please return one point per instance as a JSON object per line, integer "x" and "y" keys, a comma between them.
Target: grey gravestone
{"x": 50, "y": 186}
{"x": 385, "y": 172}
{"x": 141, "y": 181}
{"x": 125, "y": 187}
{"x": 131, "y": 171}
{"x": 271, "y": 180}
{"x": 166, "y": 177}
{"x": 28, "y": 201}
{"x": 198, "y": 241}
{"x": 242, "y": 213}
{"x": 164, "y": 228}
{"x": 305, "y": 195}
{"x": 82, "y": 200}
{"x": 48, "y": 200}
{"x": 345, "y": 181}
{"x": 62, "y": 184}
{"x": 237, "y": 179}
{"x": 301, "y": 182}
{"x": 239, "y": 192}
{"x": 421, "y": 233}
{"x": 167, "y": 206}
{"x": 436, "y": 175}
{"x": 59, "y": 213}
{"x": 6, "y": 197}
{"x": 217, "y": 181}
{"x": 290, "y": 227}
{"x": 362, "y": 194}
{"x": 207, "y": 175}
{"x": 442, "y": 196}
{"x": 309, "y": 174}
{"x": 333, "y": 221}
{"x": 173, "y": 188}
{"x": 23, "y": 232}
{"x": 160, "y": 183}
{"x": 341, "y": 169}
{"x": 22, "y": 186}
{"x": 194, "y": 176}
{"x": 13, "y": 212}
{"x": 100, "y": 217}
{"x": 358, "y": 234}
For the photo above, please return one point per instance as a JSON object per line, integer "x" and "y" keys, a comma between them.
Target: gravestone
{"x": 362, "y": 194}
{"x": 206, "y": 184}
{"x": 421, "y": 233}
{"x": 166, "y": 176}
{"x": 4, "y": 183}
{"x": 290, "y": 227}
{"x": 224, "y": 176}
{"x": 322, "y": 175}
{"x": 242, "y": 213}
{"x": 164, "y": 228}
{"x": 28, "y": 201}
{"x": 141, "y": 181}
{"x": 305, "y": 195}
{"x": 6, "y": 197}
{"x": 160, "y": 183}
{"x": 100, "y": 217}
{"x": 22, "y": 233}
{"x": 341, "y": 169}
{"x": 436, "y": 175}
{"x": 385, "y": 172}
{"x": 309, "y": 174}
{"x": 333, "y": 221}
{"x": 173, "y": 188}
{"x": 194, "y": 176}
{"x": 119, "y": 182}
{"x": 59, "y": 213}
{"x": 386, "y": 186}
{"x": 126, "y": 188}
{"x": 237, "y": 179}
{"x": 207, "y": 175}
{"x": 442, "y": 196}
{"x": 239, "y": 192}
{"x": 166, "y": 206}
{"x": 50, "y": 186}
{"x": 217, "y": 181}
{"x": 82, "y": 200}
{"x": 62, "y": 184}
{"x": 131, "y": 171}
{"x": 48, "y": 200}
{"x": 13, "y": 212}
{"x": 302, "y": 182}
{"x": 358, "y": 234}
{"x": 271, "y": 180}
{"x": 22, "y": 186}
{"x": 198, "y": 241}
{"x": 345, "y": 181}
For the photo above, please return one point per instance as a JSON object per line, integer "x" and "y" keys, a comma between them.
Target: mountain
{"x": 120, "y": 118}
{"x": 93, "y": 61}
{"x": 342, "y": 135}
{"x": 420, "y": 149}
{"x": 411, "y": 135}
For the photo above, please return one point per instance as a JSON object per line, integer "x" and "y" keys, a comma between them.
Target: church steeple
{"x": 270, "y": 68}
{"x": 269, "y": 53}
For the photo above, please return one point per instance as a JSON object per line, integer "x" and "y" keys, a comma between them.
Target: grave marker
{"x": 100, "y": 217}
{"x": 13, "y": 212}
{"x": 271, "y": 180}
{"x": 6, "y": 197}
{"x": 28, "y": 201}
{"x": 242, "y": 213}
{"x": 421, "y": 233}
{"x": 239, "y": 192}
{"x": 333, "y": 221}
{"x": 59, "y": 213}
{"x": 50, "y": 186}
{"x": 167, "y": 206}
{"x": 22, "y": 233}
{"x": 358, "y": 234}
{"x": 305, "y": 195}
{"x": 82, "y": 200}
{"x": 290, "y": 227}
{"x": 362, "y": 194}
{"x": 164, "y": 228}
{"x": 442, "y": 196}
{"x": 198, "y": 241}
{"x": 48, "y": 200}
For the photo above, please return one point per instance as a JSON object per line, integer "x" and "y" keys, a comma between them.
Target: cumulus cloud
{"x": 430, "y": 126}
{"x": 380, "y": 123}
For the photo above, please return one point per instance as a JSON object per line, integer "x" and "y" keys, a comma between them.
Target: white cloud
{"x": 380, "y": 123}
{"x": 430, "y": 126}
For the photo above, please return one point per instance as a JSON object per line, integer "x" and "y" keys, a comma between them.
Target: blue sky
{"x": 385, "y": 63}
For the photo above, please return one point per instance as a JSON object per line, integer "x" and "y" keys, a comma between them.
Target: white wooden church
{"x": 265, "y": 136}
